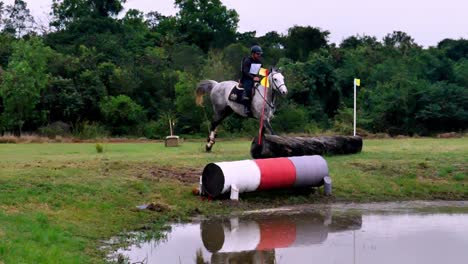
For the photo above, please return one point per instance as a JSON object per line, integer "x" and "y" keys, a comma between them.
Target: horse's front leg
{"x": 211, "y": 140}
{"x": 268, "y": 127}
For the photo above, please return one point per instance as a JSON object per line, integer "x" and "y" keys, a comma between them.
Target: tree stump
{"x": 278, "y": 146}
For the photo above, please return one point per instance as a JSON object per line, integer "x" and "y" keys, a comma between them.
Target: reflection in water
{"x": 326, "y": 236}
{"x": 253, "y": 239}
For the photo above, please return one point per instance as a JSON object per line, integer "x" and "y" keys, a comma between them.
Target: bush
{"x": 122, "y": 114}
{"x": 88, "y": 130}
{"x": 99, "y": 148}
{"x": 343, "y": 122}
{"x": 55, "y": 129}
{"x": 291, "y": 118}
{"x": 156, "y": 129}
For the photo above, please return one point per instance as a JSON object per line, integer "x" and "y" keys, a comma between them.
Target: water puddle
{"x": 415, "y": 232}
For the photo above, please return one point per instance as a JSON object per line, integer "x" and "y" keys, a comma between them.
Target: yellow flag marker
{"x": 358, "y": 82}
{"x": 264, "y": 82}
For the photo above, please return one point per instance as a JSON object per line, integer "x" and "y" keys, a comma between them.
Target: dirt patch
{"x": 9, "y": 210}
{"x": 450, "y": 135}
{"x": 184, "y": 175}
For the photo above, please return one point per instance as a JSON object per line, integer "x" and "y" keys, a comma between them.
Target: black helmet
{"x": 256, "y": 49}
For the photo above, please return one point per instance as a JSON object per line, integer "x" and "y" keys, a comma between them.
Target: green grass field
{"x": 59, "y": 202}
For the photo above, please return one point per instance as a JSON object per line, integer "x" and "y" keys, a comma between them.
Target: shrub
{"x": 55, "y": 129}
{"x": 121, "y": 114}
{"x": 156, "y": 129}
{"x": 88, "y": 130}
{"x": 99, "y": 148}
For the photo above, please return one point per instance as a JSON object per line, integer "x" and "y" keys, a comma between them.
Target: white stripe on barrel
{"x": 217, "y": 178}
{"x": 310, "y": 170}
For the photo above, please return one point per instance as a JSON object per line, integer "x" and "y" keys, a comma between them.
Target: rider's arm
{"x": 246, "y": 69}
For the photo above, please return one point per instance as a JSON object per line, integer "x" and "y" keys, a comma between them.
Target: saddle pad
{"x": 236, "y": 94}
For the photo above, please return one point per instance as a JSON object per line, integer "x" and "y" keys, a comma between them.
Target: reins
{"x": 270, "y": 104}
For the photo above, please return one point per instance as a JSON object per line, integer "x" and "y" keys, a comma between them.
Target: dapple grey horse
{"x": 223, "y": 107}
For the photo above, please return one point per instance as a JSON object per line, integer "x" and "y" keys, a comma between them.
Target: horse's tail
{"x": 204, "y": 87}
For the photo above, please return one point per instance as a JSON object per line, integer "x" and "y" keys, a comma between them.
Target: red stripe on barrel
{"x": 276, "y": 173}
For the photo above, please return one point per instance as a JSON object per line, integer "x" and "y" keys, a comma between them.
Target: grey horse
{"x": 223, "y": 107}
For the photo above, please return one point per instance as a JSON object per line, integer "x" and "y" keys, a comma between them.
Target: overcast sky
{"x": 427, "y": 21}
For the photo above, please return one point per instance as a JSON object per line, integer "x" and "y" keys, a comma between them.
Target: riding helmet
{"x": 256, "y": 49}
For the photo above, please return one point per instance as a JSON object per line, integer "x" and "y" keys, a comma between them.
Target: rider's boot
{"x": 246, "y": 103}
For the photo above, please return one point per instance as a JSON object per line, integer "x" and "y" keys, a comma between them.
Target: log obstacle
{"x": 264, "y": 174}
{"x": 273, "y": 146}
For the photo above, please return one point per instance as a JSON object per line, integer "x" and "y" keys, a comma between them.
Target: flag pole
{"x": 354, "y": 119}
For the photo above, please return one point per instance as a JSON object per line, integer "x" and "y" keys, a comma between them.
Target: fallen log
{"x": 273, "y": 146}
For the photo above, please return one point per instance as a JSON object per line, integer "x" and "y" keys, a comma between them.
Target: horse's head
{"x": 276, "y": 80}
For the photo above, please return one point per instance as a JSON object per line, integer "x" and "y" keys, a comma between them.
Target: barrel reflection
{"x": 253, "y": 239}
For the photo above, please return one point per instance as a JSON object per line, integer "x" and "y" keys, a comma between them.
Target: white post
{"x": 170, "y": 125}
{"x": 354, "y": 120}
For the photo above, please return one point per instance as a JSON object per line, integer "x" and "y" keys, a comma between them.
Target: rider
{"x": 250, "y": 68}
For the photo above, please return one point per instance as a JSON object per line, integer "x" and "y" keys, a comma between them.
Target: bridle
{"x": 273, "y": 81}
{"x": 275, "y": 89}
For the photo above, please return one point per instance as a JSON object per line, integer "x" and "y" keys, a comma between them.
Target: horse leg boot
{"x": 211, "y": 140}
{"x": 217, "y": 119}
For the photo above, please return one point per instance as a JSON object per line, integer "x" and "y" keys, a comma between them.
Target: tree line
{"x": 94, "y": 71}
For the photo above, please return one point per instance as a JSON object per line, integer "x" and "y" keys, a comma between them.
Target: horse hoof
{"x": 208, "y": 148}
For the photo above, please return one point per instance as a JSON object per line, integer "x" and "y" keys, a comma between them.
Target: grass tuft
{"x": 99, "y": 148}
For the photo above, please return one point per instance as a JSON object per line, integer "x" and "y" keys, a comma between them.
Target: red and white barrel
{"x": 218, "y": 178}
{"x": 264, "y": 174}
{"x": 310, "y": 170}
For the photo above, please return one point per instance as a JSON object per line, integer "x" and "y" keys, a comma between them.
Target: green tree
{"x": 454, "y": 49}
{"x": 206, "y": 23}
{"x": 400, "y": 41}
{"x": 354, "y": 42}
{"x": 273, "y": 47}
{"x": 1, "y": 14}
{"x": 18, "y": 20}
{"x": 313, "y": 84}
{"x": 392, "y": 105}
{"x": 300, "y": 41}
{"x": 6, "y": 48}
{"x": 216, "y": 68}
{"x": 23, "y": 82}
{"x": 136, "y": 33}
{"x": 291, "y": 118}
{"x": 443, "y": 107}
{"x": 92, "y": 91}
{"x": 188, "y": 58}
{"x": 461, "y": 72}
{"x": 63, "y": 101}
{"x": 232, "y": 56}
{"x": 66, "y": 12}
{"x": 156, "y": 79}
{"x": 190, "y": 116}
{"x": 122, "y": 115}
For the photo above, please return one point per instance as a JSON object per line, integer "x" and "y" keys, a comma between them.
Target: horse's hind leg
{"x": 218, "y": 118}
